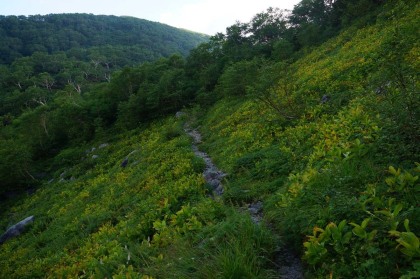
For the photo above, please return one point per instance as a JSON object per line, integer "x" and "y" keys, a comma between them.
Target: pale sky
{"x": 205, "y": 16}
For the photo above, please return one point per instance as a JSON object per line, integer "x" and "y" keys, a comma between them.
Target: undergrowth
{"x": 340, "y": 182}
{"x": 338, "y": 177}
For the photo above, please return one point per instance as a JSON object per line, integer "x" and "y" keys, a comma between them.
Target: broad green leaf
{"x": 409, "y": 239}
{"x": 390, "y": 181}
{"x": 341, "y": 225}
{"x": 365, "y": 223}
{"x": 397, "y": 209}
{"x": 384, "y": 212}
{"x": 393, "y": 171}
{"x": 406, "y": 225}
{"x": 358, "y": 230}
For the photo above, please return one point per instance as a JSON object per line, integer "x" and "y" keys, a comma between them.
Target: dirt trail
{"x": 287, "y": 263}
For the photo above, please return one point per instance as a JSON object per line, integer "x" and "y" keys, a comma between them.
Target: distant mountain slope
{"x": 22, "y": 36}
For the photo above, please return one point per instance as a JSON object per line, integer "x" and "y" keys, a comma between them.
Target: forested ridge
{"x": 22, "y": 36}
{"x": 311, "y": 114}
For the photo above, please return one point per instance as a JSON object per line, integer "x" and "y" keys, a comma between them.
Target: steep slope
{"x": 333, "y": 151}
{"x": 151, "y": 217}
{"x": 21, "y": 36}
{"x": 324, "y": 148}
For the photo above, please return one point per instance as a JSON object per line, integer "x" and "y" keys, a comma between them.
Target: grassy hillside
{"x": 152, "y": 217}
{"x": 327, "y": 141}
{"x": 351, "y": 159}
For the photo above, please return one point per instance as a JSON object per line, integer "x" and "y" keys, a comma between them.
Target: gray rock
{"x": 288, "y": 264}
{"x": 213, "y": 183}
{"x": 93, "y": 149}
{"x": 16, "y": 229}
{"x": 325, "y": 99}
{"x": 219, "y": 190}
{"x": 131, "y": 153}
{"x": 103, "y": 145}
{"x": 179, "y": 114}
{"x": 212, "y": 175}
{"x": 255, "y": 210}
{"x": 95, "y": 156}
{"x": 383, "y": 88}
{"x": 124, "y": 163}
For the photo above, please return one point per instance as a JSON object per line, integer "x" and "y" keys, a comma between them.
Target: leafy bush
{"x": 376, "y": 239}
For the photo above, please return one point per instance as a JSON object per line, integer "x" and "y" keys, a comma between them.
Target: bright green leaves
{"x": 176, "y": 225}
{"x": 375, "y": 237}
{"x": 336, "y": 237}
{"x": 391, "y": 213}
{"x": 393, "y": 171}
{"x": 335, "y": 139}
{"x": 402, "y": 182}
{"x": 157, "y": 198}
{"x": 159, "y": 225}
{"x": 340, "y": 236}
{"x": 360, "y": 230}
{"x": 315, "y": 252}
{"x": 408, "y": 242}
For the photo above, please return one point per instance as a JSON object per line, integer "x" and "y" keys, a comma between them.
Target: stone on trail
{"x": 16, "y": 229}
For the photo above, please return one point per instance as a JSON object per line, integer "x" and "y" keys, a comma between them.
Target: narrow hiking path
{"x": 212, "y": 175}
{"x": 288, "y": 264}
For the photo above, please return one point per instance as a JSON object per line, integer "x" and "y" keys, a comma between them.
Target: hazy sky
{"x": 205, "y": 16}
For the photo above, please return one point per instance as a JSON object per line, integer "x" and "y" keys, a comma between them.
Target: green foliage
{"x": 15, "y": 164}
{"x": 309, "y": 159}
{"x": 396, "y": 82}
{"x": 243, "y": 251}
{"x": 335, "y": 236}
{"x": 88, "y": 213}
{"x": 376, "y": 234}
{"x": 408, "y": 241}
{"x": 237, "y": 77}
{"x": 312, "y": 132}
{"x": 315, "y": 21}
{"x": 105, "y": 220}
{"x": 22, "y": 36}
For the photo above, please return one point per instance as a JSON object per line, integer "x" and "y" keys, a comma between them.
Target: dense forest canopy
{"x": 21, "y": 36}
{"x": 68, "y": 60}
{"x": 314, "y": 112}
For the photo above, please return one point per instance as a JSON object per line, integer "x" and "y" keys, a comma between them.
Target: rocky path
{"x": 287, "y": 263}
{"x": 212, "y": 174}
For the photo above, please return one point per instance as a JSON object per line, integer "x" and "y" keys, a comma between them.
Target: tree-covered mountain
{"x": 21, "y": 36}
{"x": 311, "y": 114}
